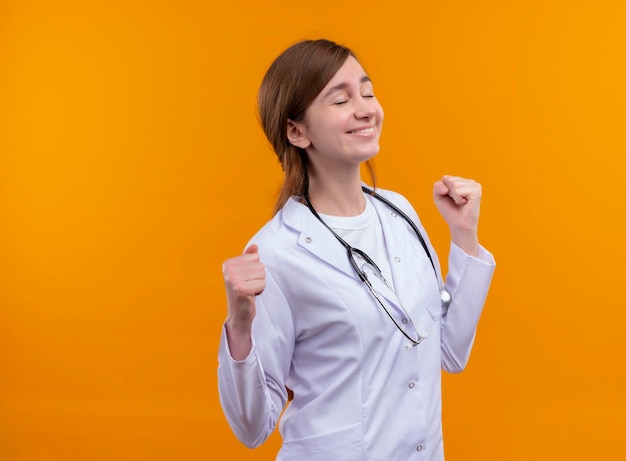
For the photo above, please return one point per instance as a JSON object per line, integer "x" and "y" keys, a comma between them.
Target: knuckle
{"x": 227, "y": 269}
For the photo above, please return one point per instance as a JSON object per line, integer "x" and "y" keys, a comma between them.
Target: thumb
{"x": 252, "y": 249}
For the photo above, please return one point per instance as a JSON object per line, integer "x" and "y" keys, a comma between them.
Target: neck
{"x": 337, "y": 196}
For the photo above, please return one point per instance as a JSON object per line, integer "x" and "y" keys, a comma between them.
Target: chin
{"x": 370, "y": 153}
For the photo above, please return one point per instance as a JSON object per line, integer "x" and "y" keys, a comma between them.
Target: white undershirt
{"x": 364, "y": 232}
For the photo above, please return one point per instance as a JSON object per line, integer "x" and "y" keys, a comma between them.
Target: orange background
{"x": 132, "y": 165}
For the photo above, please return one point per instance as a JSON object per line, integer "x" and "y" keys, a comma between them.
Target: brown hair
{"x": 290, "y": 85}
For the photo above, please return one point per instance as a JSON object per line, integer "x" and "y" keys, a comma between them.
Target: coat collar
{"x": 315, "y": 238}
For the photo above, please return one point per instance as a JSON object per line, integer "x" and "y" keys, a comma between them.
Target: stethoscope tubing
{"x": 351, "y": 249}
{"x": 444, "y": 295}
{"x": 404, "y": 216}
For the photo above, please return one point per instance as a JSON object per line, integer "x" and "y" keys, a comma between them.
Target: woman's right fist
{"x": 244, "y": 277}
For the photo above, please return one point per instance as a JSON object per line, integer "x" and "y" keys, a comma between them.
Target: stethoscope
{"x": 369, "y": 263}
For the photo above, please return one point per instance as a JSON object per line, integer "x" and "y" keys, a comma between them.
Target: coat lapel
{"x": 320, "y": 242}
{"x": 315, "y": 238}
{"x": 394, "y": 233}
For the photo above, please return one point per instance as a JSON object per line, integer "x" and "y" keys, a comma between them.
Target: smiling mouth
{"x": 362, "y": 131}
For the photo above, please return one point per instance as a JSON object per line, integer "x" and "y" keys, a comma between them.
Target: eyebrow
{"x": 344, "y": 85}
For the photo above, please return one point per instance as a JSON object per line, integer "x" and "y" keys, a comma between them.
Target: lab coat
{"x": 361, "y": 390}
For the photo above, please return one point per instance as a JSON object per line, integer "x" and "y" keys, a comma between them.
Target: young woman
{"x": 339, "y": 299}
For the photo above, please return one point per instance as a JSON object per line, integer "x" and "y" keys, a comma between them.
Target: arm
{"x": 470, "y": 268}
{"x": 255, "y": 349}
{"x": 467, "y": 282}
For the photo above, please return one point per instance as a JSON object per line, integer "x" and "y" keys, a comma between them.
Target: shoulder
{"x": 399, "y": 201}
{"x": 280, "y": 234}
{"x": 396, "y": 199}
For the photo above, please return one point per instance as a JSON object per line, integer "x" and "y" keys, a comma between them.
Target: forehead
{"x": 351, "y": 72}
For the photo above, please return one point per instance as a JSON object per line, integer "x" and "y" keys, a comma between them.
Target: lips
{"x": 366, "y": 130}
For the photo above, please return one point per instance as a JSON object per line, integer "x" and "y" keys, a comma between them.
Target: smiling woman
{"x": 304, "y": 319}
{"x": 341, "y": 129}
{"x": 132, "y": 165}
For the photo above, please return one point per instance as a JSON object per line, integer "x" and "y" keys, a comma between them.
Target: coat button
{"x": 308, "y": 240}
{"x": 411, "y": 385}
{"x": 396, "y": 259}
{"x": 419, "y": 448}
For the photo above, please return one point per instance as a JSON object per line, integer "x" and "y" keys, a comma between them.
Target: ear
{"x": 296, "y": 133}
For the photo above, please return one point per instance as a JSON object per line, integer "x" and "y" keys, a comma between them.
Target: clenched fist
{"x": 244, "y": 277}
{"x": 458, "y": 201}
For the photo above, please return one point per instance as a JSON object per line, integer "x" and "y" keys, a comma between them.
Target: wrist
{"x": 239, "y": 337}
{"x": 466, "y": 241}
{"x": 237, "y": 327}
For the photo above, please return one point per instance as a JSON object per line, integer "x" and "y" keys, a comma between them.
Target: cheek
{"x": 381, "y": 115}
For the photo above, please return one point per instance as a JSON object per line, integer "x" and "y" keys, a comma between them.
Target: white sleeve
{"x": 467, "y": 282}
{"x": 252, "y": 391}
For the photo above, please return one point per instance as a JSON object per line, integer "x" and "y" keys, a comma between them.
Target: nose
{"x": 365, "y": 109}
